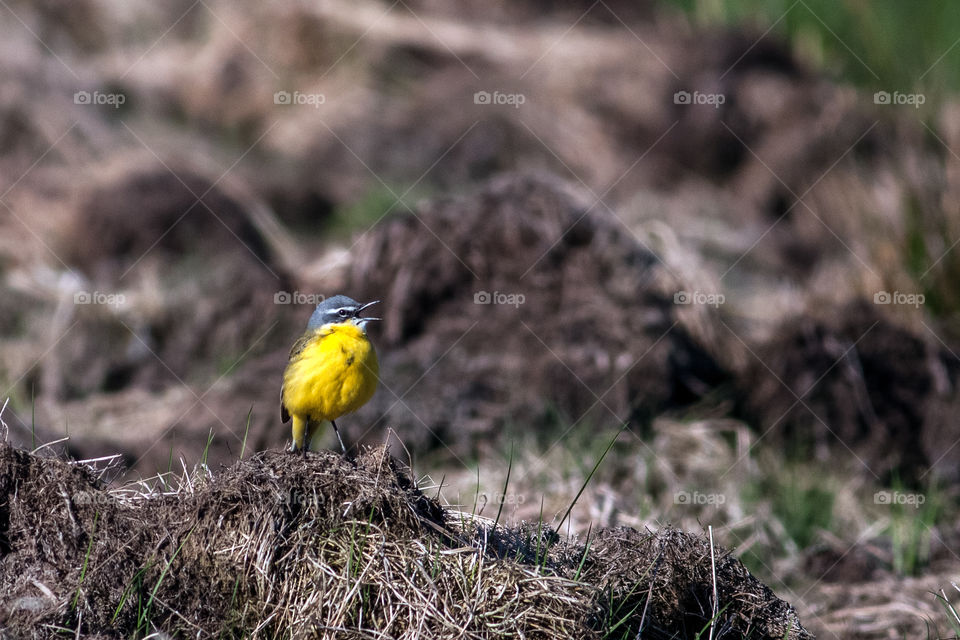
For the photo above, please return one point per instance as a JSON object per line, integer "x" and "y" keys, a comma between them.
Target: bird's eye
{"x": 342, "y": 313}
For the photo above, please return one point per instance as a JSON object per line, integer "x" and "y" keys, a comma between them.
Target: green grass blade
{"x": 589, "y": 476}
{"x": 246, "y": 432}
{"x": 506, "y": 484}
{"x": 86, "y": 560}
{"x": 145, "y": 614}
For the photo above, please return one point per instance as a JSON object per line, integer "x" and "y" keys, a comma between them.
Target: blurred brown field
{"x": 579, "y": 217}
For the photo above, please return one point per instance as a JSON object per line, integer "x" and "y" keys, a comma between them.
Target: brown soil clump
{"x": 858, "y": 382}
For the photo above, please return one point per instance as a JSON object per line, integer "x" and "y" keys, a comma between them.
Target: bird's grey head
{"x": 339, "y": 310}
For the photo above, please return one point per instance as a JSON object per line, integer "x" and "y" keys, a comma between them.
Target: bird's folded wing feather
{"x": 295, "y": 352}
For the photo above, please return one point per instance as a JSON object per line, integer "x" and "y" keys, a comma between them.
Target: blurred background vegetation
{"x": 882, "y": 45}
{"x": 781, "y": 416}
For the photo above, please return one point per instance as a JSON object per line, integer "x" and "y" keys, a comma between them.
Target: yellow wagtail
{"x": 332, "y": 370}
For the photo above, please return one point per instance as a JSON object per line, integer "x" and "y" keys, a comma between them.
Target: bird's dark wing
{"x": 295, "y": 352}
{"x": 299, "y": 346}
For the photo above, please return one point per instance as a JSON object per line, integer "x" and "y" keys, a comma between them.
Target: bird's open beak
{"x": 364, "y": 306}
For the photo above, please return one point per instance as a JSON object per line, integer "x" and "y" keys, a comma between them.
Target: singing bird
{"x": 332, "y": 370}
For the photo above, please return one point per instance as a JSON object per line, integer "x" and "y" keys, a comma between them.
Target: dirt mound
{"x": 670, "y": 575}
{"x": 185, "y": 273}
{"x": 523, "y": 303}
{"x": 860, "y": 383}
{"x": 281, "y": 544}
{"x": 174, "y": 212}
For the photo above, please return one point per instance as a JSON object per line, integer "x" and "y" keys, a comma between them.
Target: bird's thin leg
{"x": 337, "y": 431}
{"x": 308, "y": 429}
{"x": 300, "y": 426}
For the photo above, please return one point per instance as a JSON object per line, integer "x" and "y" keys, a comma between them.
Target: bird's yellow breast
{"x": 334, "y": 373}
